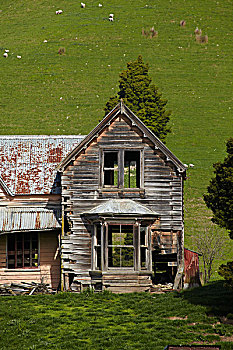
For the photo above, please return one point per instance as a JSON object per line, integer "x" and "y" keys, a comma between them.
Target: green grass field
{"x": 47, "y": 93}
{"x": 108, "y": 321}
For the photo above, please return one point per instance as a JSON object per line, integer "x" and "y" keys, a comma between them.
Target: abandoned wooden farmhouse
{"x": 103, "y": 211}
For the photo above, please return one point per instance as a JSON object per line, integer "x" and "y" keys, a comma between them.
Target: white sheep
{"x": 58, "y": 12}
{"x": 100, "y": 5}
{"x": 110, "y": 17}
{"x": 191, "y": 165}
{"x": 19, "y": 57}
{"x": 6, "y": 50}
{"x": 5, "y": 54}
{"x": 185, "y": 165}
{"x": 83, "y": 5}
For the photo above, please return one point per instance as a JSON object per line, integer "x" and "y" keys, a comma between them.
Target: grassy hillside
{"x": 107, "y": 321}
{"x": 47, "y": 93}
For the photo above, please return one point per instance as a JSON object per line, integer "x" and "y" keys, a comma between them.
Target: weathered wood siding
{"x": 49, "y": 267}
{"x": 81, "y": 189}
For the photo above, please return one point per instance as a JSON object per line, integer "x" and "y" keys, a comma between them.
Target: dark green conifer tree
{"x": 142, "y": 97}
{"x": 219, "y": 196}
{"x": 220, "y": 200}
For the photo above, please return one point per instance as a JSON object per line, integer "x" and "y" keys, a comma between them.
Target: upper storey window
{"x": 111, "y": 169}
{"x": 121, "y": 168}
{"x": 132, "y": 169}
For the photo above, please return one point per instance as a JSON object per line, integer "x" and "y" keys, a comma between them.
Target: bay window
{"x": 120, "y": 246}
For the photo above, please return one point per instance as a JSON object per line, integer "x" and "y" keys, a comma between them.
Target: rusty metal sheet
{"x": 191, "y": 267}
{"x": 28, "y": 163}
{"x": 29, "y": 218}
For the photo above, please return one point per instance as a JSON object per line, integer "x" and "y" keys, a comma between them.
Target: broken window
{"x": 111, "y": 169}
{"x": 121, "y": 169}
{"x": 22, "y": 250}
{"x": 132, "y": 169}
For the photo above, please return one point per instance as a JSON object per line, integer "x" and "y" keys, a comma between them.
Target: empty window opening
{"x": 111, "y": 169}
{"x": 132, "y": 169}
{"x": 22, "y": 250}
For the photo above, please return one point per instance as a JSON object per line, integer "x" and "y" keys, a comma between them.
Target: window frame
{"x": 104, "y": 246}
{"x": 109, "y": 246}
{"x": 121, "y": 158}
{"x": 23, "y": 251}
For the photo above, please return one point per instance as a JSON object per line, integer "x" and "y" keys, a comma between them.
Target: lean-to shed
{"x": 30, "y": 207}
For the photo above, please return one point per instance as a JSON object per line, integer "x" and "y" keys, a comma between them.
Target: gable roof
{"x": 28, "y": 163}
{"x": 122, "y": 109}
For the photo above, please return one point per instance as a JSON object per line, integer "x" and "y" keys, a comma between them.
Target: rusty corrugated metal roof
{"x": 29, "y": 218}
{"x": 28, "y": 163}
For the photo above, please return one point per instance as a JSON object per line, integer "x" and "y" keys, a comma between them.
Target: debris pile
{"x": 161, "y": 288}
{"x": 25, "y": 288}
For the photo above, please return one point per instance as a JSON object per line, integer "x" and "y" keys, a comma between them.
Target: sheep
{"x": 150, "y": 33}
{"x": 83, "y": 5}
{"x": 19, "y": 57}
{"x": 111, "y": 15}
{"x": 191, "y": 165}
{"x": 61, "y": 51}
{"x": 197, "y": 31}
{"x": 153, "y": 32}
{"x": 100, "y": 5}
{"x": 202, "y": 39}
{"x": 6, "y": 50}
{"x": 58, "y": 12}
{"x": 185, "y": 165}
{"x": 5, "y": 54}
{"x": 182, "y": 23}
